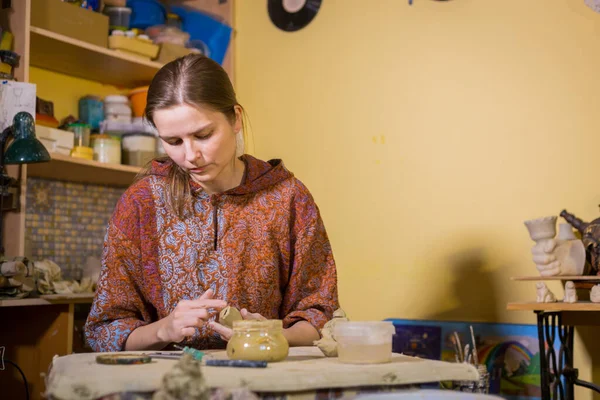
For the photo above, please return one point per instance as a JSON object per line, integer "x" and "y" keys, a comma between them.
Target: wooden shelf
{"x": 47, "y": 299}
{"x": 557, "y": 306}
{"x": 70, "y": 56}
{"x": 66, "y": 168}
{"x": 557, "y": 278}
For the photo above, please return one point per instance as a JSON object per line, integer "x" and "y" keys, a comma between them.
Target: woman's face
{"x": 199, "y": 140}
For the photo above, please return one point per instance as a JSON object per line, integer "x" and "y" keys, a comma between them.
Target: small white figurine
{"x": 595, "y": 294}
{"x": 544, "y": 295}
{"x": 570, "y": 293}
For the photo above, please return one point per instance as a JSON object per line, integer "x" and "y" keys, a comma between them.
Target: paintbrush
{"x": 459, "y": 346}
{"x": 475, "y": 357}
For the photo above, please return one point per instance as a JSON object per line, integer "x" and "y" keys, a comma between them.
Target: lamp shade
{"x": 25, "y": 148}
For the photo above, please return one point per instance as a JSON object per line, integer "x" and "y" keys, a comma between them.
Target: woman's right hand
{"x": 187, "y": 316}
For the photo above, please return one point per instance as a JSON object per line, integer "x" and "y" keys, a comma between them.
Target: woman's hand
{"x": 187, "y": 316}
{"x": 226, "y": 332}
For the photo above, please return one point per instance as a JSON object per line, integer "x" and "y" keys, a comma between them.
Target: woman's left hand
{"x": 226, "y": 332}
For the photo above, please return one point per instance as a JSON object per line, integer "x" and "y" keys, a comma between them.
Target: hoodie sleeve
{"x": 118, "y": 307}
{"x": 311, "y": 293}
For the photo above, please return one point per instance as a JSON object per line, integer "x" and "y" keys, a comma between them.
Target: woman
{"x": 203, "y": 229}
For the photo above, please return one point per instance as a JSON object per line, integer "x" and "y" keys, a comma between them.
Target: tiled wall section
{"x": 66, "y": 222}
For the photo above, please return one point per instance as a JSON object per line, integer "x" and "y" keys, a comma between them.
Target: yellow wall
{"x": 427, "y": 135}
{"x": 65, "y": 91}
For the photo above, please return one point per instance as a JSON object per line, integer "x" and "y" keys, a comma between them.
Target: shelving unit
{"x": 588, "y": 278}
{"x": 74, "y": 57}
{"x": 556, "y": 306}
{"x": 66, "y": 168}
{"x": 49, "y": 299}
{"x": 39, "y": 328}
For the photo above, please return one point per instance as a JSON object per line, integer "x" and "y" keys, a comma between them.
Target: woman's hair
{"x": 198, "y": 81}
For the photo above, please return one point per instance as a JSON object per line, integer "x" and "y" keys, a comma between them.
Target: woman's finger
{"x": 201, "y": 313}
{"x": 248, "y": 315}
{"x": 224, "y": 331}
{"x": 207, "y": 303}
{"x": 188, "y": 331}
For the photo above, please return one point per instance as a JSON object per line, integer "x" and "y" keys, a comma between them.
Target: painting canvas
{"x": 509, "y": 351}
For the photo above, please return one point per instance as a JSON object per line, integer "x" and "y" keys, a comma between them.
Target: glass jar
{"x": 258, "y": 341}
{"x": 82, "y": 133}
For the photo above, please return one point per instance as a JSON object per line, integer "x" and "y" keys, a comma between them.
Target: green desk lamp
{"x": 24, "y": 149}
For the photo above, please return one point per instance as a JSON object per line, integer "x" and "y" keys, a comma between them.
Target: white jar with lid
{"x": 107, "y": 149}
{"x": 117, "y": 108}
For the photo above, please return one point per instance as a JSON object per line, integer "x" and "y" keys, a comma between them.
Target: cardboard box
{"x": 70, "y": 20}
{"x": 55, "y": 140}
{"x": 170, "y": 52}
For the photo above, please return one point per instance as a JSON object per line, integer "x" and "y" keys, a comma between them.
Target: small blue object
{"x": 236, "y": 363}
{"x": 202, "y": 27}
{"x": 91, "y": 111}
{"x": 146, "y": 13}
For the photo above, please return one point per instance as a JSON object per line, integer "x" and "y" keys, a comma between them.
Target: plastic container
{"x": 83, "y": 152}
{"x": 91, "y": 111}
{"x": 138, "y": 98}
{"x": 118, "y": 17}
{"x": 174, "y": 20}
{"x": 138, "y": 148}
{"x": 146, "y": 13}
{"x": 368, "y": 342}
{"x": 117, "y": 108}
{"x": 81, "y": 132}
{"x": 258, "y": 341}
{"x": 107, "y": 149}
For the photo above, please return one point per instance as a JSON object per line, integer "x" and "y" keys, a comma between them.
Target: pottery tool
{"x": 475, "y": 357}
{"x": 466, "y": 353}
{"x": 456, "y": 352}
{"x": 123, "y": 359}
{"x": 236, "y": 363}
{"x": 459, "y": 347}
{"x": 196, "y": 354}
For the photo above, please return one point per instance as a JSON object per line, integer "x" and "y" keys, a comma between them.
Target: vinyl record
{"x": 292, "y": 15}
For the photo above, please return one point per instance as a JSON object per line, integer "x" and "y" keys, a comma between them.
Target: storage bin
{"x": 116, "y": 108}
{"x": 91, "y": 111}
{"x": 75, "y": 22}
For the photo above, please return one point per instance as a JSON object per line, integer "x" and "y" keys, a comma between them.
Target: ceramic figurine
{"x": 544, "y": 295}
{"x": 595, "y": 294}
{"x": 563, "y": 255}
{"x": 570, "y": 293}
{"x": 590, "y": 236}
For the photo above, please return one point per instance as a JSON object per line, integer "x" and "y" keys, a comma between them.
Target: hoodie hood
{"x": 258, "y": 174}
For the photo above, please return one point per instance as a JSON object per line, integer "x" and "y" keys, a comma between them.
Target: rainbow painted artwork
{"x": 510, "y": 351}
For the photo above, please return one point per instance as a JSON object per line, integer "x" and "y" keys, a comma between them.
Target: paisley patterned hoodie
{"x": 260, "y": 246}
